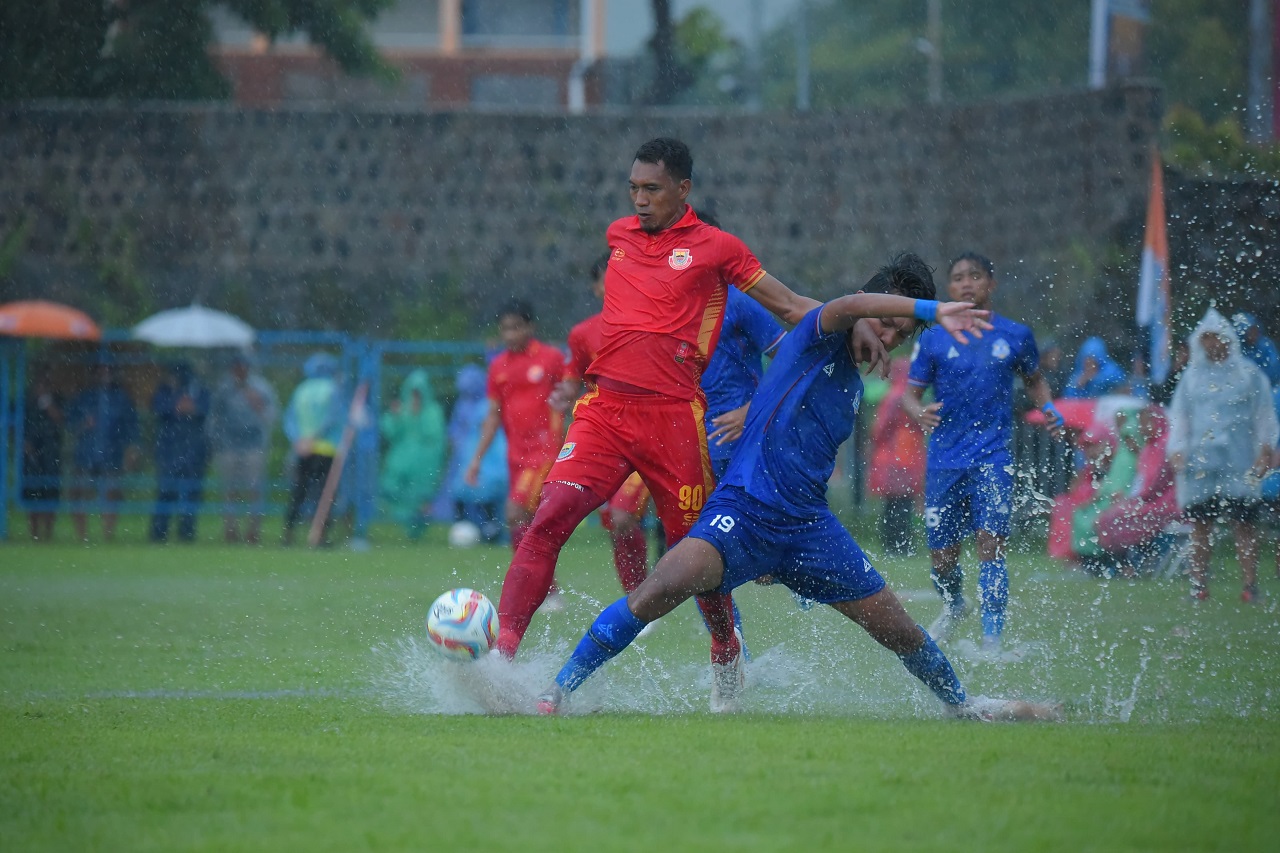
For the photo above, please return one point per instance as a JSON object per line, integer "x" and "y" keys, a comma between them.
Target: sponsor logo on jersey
{"x": 618, "y": 255}
{"x": 567, "y": 450}
{"x": 680, "y": 258}
{"x": 951, "y": 353}
{"x": 536, "y": 372}
{"x": 1000, "y": 349}
{"x": 681, "y": 352}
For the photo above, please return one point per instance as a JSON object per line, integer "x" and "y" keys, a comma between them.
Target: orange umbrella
{"x": 36, "y": 318}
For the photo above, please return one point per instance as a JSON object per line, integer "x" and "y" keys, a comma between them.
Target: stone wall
{"x": 350, "y": 219}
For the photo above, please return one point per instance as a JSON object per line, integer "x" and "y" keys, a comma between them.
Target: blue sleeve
{"x": 758, "y": 325}
{"x": 1028, "y": 355}
{"x": 922, "y": 372}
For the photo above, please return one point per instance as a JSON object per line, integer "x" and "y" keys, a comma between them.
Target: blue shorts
{"x": 815, "y": 557}
{"x": 959, "y": 501}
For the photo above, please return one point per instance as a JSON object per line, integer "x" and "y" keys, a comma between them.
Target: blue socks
{"x": 931, "y": 666}
{"x": 951, "y": 587}
{"x": 613, "y": 631}
{"x": 993, "y": 589}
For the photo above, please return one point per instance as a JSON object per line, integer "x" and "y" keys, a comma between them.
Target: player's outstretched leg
{"x": 533, "y": 567}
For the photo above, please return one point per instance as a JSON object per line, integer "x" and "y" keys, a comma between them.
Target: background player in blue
{"x": 969, "y": 477}
{"x": 802, "y": 412}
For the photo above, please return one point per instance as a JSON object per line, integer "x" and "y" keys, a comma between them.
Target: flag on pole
{"x": 1153, "y": 281}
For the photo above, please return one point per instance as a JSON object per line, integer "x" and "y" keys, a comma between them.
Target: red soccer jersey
{"x": 585, "y": 340}
{"x": 664, "y": 298}
{"x": 520, "y": 383}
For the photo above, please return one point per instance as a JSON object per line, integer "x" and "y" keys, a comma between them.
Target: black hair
{"x": 671, "y": 153}
{"x": 516, "y": 308}
{"x": 600, "y": 265}
{"x": 979, "y": 259}
{"x": 906, "y": 274}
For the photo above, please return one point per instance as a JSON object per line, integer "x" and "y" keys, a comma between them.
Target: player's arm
{"x": 957, "y": 318}
{"x": 913, "y": 405}
{"x": 488, "y": 431}
{"x": 782, "y": 301}
{"x": 1041, "y": 395}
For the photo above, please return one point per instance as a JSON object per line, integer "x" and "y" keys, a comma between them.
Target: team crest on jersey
{"x": 680, "y": 258}
{"x": 1000, "y": 349}
{"x": 567, "y": 450}
{"x": 618, "y": 254}
{"x": 536, "y": 372}
{"x": 830, "y": 368}
{"x": 951, "y": 353}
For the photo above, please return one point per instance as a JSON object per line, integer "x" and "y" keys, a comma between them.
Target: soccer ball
{"x": 462, "y": 624}
{"x": 464, "y": 534}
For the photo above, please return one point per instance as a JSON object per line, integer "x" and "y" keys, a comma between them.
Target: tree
{"x": 159, "y": 48}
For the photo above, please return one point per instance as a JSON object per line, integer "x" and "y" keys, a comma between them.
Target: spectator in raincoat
{"x": 1097, "y": 445}
{"x": 313, "y": 423}
{"x": 897, "y": 463}
{"x": 103, "y": 424}
{"x": 482, "y": 503}
{"x": 414, "y": 430}
{"x": 1256, "y": 346}
{"x": 1096, "y": 374}
{"x": 1111, "y": 487}
{"x": 241, "y": 418}
{"x": 180, "y": 406}
{"x": 1222, "y": 431}
{"x": 1131, "y": 524}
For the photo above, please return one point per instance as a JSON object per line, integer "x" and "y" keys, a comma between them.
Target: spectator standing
{"x": 414, "y": 430}
{"x": 313, "y": 423}
{"x": 180, "y": 406}
{"x": 1096, "y": 373}
{"x": 897, "y": 463}
{"x": 1257, "y": 347}
{"x": 480, "y": 503}
{"x": 103, "y": 423}
{"x": 42, "y": 458}
{"x": 241, "y": 417}
{"x": 1222, "y": 431}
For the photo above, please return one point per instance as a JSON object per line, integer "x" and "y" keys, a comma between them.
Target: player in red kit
{"x": 665, "y": 293}
{"x": 521, "y": 381}
{"x": 622, "y": 515}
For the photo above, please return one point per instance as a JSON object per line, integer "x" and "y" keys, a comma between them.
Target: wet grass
{"x": 221, "y": 698}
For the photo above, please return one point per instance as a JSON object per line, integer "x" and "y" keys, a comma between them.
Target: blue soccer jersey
{"x": 749, "y": 334}
{"x": 802, "y": 412}
{"x": 974, "y": 383}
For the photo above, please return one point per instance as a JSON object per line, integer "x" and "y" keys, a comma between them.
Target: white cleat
{"x": 988, "y": 710}
{"x": 945, "y": 625}
{"x": 553, "y": 603}
{"x": 727, "y": 683}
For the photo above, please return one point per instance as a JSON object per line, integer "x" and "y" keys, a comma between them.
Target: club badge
{"x": 680, "y": 258}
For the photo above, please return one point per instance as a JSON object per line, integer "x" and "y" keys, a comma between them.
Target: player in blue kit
{"x": 769, "y": 515}
{"x": 969, "y": 476}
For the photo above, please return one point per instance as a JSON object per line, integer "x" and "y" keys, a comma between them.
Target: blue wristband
{"x": 1051, "y": 412}
{"x": 926, "y": 310}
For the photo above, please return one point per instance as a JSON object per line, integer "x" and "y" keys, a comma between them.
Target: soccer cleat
{"x": 549, "y": 703}
{"x": 943, "y": 627}
{"x": 727, "y": 683}
{"x": 985, "y": 709}
{"x": 1199, "y": 593}
{"x": 991, "y": 645}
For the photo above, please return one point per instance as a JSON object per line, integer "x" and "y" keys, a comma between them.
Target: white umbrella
{"x": 194, "y": 326}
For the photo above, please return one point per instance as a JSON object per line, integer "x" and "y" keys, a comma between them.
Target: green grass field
{"x": 220, "y": 698}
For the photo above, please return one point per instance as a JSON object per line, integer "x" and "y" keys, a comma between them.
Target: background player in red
{"x": 665, "y": 292}
{"x": 623, "y": 514}
{"x": 521, "y": 381}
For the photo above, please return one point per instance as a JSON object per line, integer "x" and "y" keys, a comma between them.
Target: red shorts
{"x": 525, "y": 487}
{"x": 660, "y": 438}
{"x": 631, "y": 499}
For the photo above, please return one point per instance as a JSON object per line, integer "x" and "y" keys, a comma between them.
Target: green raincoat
{"x": 1114, "y": 486}
{"x": 415, "y": 438}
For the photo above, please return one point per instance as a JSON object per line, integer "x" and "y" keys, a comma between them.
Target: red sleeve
{"x": 491, "y": 383}
{"x": 738, "y": 265}
{"x": 579, "y": 354}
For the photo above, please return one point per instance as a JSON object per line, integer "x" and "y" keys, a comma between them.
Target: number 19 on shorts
{"x": 723, "y": 523}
